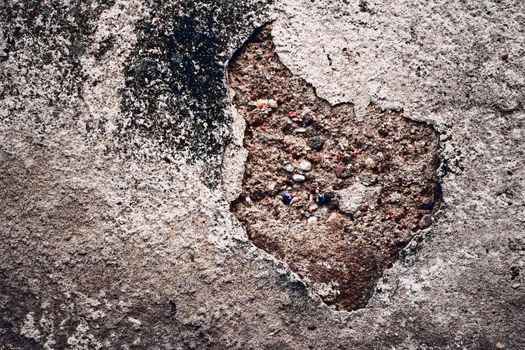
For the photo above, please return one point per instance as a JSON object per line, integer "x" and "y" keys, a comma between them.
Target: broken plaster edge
{"x": 233, "y": 169}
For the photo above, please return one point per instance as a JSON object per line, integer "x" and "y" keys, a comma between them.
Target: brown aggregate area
{"x": 385, "y": 164}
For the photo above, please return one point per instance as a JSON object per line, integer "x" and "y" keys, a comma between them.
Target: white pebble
{"x": 305, "y": 165}
{"x": 272, "y": 104}
{"x": 312, "y": 220}
{"x": 289, "y": 168}
{"x": 298, "y": 177}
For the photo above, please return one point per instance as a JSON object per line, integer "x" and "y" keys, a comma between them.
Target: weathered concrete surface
{"x": 115, "y": 232}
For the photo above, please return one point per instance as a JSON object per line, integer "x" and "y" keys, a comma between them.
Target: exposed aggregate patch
{"x": 334, "y": 196}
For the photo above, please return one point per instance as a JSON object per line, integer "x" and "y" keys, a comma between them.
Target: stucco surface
{"x": 116, "y": 229}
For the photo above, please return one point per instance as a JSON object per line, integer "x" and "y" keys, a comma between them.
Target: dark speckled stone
{"x": 175, "y": 91}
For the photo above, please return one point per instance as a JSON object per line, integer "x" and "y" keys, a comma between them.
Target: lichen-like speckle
{"x": 175, "y": 100}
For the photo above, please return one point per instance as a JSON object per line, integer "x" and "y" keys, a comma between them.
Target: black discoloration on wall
{"x": 173, "y": 105}
{"x": 54, "y": 33}
{"x": 175, "y": 95}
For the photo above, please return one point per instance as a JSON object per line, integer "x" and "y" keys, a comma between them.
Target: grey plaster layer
{"x": 117, "y": 237}
{"x": 416, "y": 56}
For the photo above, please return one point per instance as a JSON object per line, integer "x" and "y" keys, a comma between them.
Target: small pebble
{"x": 367, "y": 181}
{"x": 289, "y": 168}
{"x": 298, "y": 177}
{"x": 261, "y": 104}
{"x": 305, "y": 165}
{"x": 315, "y": 157}
{"x": 272, "y": 104}
{"x": 315, "y": 143}
{"x": 346, "y": 174}
{"x": 516, "y": 285}
{"x": 285, "y": 197}
{"x": 358, "y": 198}
{"x": 312, "y": 220}
{"x": 300, "y": 130}
{"x": 339, "y": 170}
{"x": 324, "y": 199}
{"x": 395, "y": 198}
{"x": 309, "y": 121}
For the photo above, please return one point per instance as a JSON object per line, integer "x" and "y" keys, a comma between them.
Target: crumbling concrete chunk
{"x": 358, "y": 197}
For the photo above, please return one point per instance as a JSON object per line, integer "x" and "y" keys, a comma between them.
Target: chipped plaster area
{"x": 459, "y": 66}
{"x": 334, "y": 197}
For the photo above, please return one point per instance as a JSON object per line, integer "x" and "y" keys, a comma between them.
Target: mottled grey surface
{"x": 115, "y": 232}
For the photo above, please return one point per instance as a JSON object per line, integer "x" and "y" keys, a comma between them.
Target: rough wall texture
{"x": 335, "y": 196}
{"x": 116, "y": 229}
